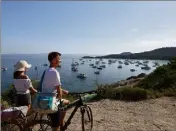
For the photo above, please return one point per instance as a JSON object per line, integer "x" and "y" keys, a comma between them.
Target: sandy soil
{"x": 112, "y": 115}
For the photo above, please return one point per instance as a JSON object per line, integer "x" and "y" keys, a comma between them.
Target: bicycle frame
{"x": 78, "y": 103}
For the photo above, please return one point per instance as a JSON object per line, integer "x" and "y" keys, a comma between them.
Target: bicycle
{"x": 15, "y": 119}
{"x": 19, "y": 122}
{"x": 86, "y": 114}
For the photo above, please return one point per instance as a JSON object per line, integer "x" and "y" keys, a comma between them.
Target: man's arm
{"x": 59, "y": 91}
{"x": 65, "y": 92}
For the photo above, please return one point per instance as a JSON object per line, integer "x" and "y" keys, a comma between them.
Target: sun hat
{"x": 21, "y": 65}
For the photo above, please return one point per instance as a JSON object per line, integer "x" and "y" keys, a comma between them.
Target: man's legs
{"x": 55, "y": 128}
{"x": 63, "y": 113}
{"x": 55, "y": 121}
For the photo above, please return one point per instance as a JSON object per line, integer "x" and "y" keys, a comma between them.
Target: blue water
{"x": 69, "y": 80}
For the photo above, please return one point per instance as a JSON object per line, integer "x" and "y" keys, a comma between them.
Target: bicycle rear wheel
{"x": 11, "y": 126}
{"x": 39, "y": 125}
{"x": 87, "y": 118}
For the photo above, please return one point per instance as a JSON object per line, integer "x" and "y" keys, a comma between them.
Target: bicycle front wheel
{"x": 11, "y": 126}
{"x": 87, "y": 118}
{"x": 39, "y": 125}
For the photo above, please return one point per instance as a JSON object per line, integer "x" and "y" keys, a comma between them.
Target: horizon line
{"x": 80, "y": 53}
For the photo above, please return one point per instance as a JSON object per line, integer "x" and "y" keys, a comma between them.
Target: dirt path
{"x": 150, "y": 115}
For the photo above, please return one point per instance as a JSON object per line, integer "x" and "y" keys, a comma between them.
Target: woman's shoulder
{"x": 23, "y": 77}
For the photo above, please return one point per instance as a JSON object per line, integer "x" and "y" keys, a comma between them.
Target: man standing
{"x": 51, "y": 83}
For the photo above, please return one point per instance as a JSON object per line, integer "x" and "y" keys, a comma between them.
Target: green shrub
{"x": 162, "y": 77}
{"x": 125, "y": 93}
{"x": 172, "y": 63}
{"x": 170, "y": 92}
{"x": 161, "y": 70}
{"x": 162, "y": 92}
{"x": 9, "y": 95}
{"x": 36, "y": 83}
{"x": 128, "y": 93}
{"x": 5, "y": 104}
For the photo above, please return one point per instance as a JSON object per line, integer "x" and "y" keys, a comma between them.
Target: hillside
{"x": 126, "y": 53}
{"x": 162, "y": 54}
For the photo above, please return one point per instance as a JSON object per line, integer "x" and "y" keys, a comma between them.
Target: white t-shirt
{"x": 22, "y": 85}
{"x": 51, "y": 80}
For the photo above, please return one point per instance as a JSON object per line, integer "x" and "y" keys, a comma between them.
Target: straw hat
{"x": 21, "y": 65}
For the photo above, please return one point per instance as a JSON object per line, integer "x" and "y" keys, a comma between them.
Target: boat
{"x": 119, "y": 67}
{"x": 120, "y": 62}
{"x": 76, "y": 63}
{"x": 81, "y": 75}
{"x": 97, "y": 72}
{"x": 59, "y": 66}
{"x": 97, "y": 62}
{"x": 91, "y": 64}
{"x": 145, "y": 62}
{"x": 45, "y": 64}
{"x": 94, "y": 67}
{"x": 100, "y": 68}
{"x": 137, "y": 65}
{"x": 132, "y": 70}
{"x": 74, "y": 69}
{"x": 36, "y": 68}
{"x": 131, "y": 62}
{"x": 103, "y": 66}
{"x": 109, "y": 61}
{"x": 156, "y": 64}
{"x": 3, "y": 69}
{"x": 73, "y": 64}
{"x": 145, "y": 68}
{"x": 126, "y": 63}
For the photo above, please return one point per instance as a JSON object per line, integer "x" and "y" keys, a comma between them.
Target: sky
{"x": 87, "y": 27}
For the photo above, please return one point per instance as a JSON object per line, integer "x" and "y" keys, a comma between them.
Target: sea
{"x": 69, "y": 79}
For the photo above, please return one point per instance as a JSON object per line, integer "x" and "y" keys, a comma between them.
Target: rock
{"x": 123, "y": 83}
{"x": 135, "y": 77}
{"x": 131, "y": 77}
{"x": 141, "y": 75}
{"x": 133, "y": 81}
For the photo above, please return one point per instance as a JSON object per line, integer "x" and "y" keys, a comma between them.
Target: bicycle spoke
{"x": 11, "y": 127}
{"x": 87, "y": 118}
{"x": 40, "y": 125}
{"x": 88, "y": 114}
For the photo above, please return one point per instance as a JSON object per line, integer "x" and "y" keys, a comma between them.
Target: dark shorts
{"x": 55, "y": 119}
{"x": 23, "y": 99}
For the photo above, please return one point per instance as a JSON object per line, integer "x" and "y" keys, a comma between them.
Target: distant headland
{"x": 165, "y": 53}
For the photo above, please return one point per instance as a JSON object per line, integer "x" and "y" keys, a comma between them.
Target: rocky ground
{"x": 149, "y": 115}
